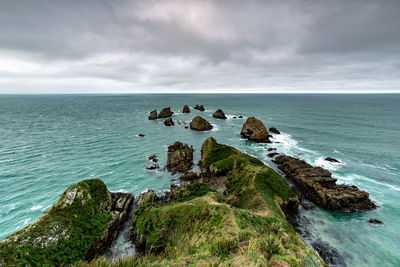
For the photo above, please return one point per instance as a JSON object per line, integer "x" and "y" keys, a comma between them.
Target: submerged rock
{"x": 200, "y": 124}
{"x": 186, "y": 109}
{"x": 273, "y": 154}
{"x": 180, "y": 157}
{"x": 375, "y": 221}
{"x": 219, "y": 114}
{"x": 199, "y": 107}
{"x": 153, "y": 158}
{"x": 254, "y": 130}
{"x": 165, "y": 113}
{"x": 271, "y": 149}
{"x": 332, "y": 160}
{"x": 153, "y": 115}
{"x": 85, "y": 220}
{"x": 169, "y": 122}
{"x": 274, "y": 130}
{"x": 141, "y": 135}
{"x": 317, "y": 185}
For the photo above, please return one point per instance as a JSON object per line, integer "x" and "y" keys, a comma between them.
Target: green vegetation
{"x": 63, "y": 234}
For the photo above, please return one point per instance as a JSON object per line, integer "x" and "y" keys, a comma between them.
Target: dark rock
{"x": 219, "y": 114}
{"x": 317, "y": 185}
{"x": 153, "y": 115}
{"x": 186, "y": 127}
{"x": 271, "y": 149}
{"x": 199, "y": 107}
{"x": 254, "y": 130}
{"x": 169, "y": 122}
{"x": 191, "y": 176}
{"x": 153, "y": 167}
{"x": 186, "y": 109}
{"x": 234, "y": 117}
{"x": 375, "y": 221}
{"x": 165, "y": 113}
{"x": 200, "y": 124}
{"x": 332, "y": 160}
{"x": 330, "y": 255}
{"x": 180, "y": 157}
{"x": 274, "y": 130}
{"x": 157, "y": 249}
{"x": 273, "y": 154}
{"x": 141, "y": 135}
{"x": 240, "y": 117}
{"x": 153, "y": 158}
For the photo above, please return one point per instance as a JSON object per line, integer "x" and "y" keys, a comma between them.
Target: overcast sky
{"x": 117, "y": 46}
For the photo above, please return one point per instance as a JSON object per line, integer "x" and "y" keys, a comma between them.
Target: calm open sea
{"x": 49, "y": 142}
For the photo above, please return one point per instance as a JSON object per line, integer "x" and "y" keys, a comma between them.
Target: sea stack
{"x": 186, "y": 109}
{"x": 153, "y": 115}
{"x": 169, "y": 122}
{"x": 219, "y": 114}
{"x": 165, "y": 113}
{"x": 200, "y": 124}
{"x": 255, "y": 130}
{"x": 180, "y": 157}
{"x": 199, "y": 107}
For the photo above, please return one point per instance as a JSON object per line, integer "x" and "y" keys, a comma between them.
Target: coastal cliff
{"x": 81, "y": 225}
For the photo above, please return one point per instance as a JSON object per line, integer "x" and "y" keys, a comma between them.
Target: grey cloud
{"x": 197, "y": 45}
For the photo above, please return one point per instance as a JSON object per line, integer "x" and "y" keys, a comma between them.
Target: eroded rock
{"x": 255, "y": 130}
{"x": 317, "y": 185}
{"x": 274, "y": 130}
{"x": 165, "y": 113}
{"x": 200, "y": 124}
{"x": 169, "y": 122}
{"x": 219, "y": 114}
{"x": 153, "y": 115}
{"x": 199, "y": 107}
{"x": 180, "y": 157}
{"x": 186, "y": 109}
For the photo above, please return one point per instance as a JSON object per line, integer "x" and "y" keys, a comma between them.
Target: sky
{"x": 184, "y": 46}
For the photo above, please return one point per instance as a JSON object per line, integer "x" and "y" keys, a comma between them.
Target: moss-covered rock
{"x": 83, "y": 222}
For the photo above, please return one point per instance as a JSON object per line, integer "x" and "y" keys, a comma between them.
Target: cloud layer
{"x": 122, "y": 46}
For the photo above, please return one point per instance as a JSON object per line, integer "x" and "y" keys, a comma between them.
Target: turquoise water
{"x": 51, "y": 142}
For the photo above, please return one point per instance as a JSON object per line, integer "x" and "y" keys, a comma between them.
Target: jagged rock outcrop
{"x": 219, "y": 114}
{"x": 255, "y": 130}
{"x": 169, "y": 122}
{"x": 317, "y": 185}
{"x": 80, "y": 226}
{"x": 274, "y": 130}
{"x": 200, "y": 124}
{"x": 180, "y": 157}
{"x": 375, "y": 221}
{"x": 186, "y": 109}
{"x": 165, "y": 113}
{"x": 153, "y": 115}
{"x": 199, "y": 107}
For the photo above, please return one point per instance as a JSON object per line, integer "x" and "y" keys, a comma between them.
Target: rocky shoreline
{"x": 234, "y": 209}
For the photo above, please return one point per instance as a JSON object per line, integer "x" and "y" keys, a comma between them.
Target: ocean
{"x": 49, "y": 142}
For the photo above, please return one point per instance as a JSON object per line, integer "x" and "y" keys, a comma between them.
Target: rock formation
{"x": 332, "y": 160}
{"x": 317, "y": 185}
{"x": 254, "y": 130}
{"x": 274, "y": 130}
{"x": 81, "y": 225}
{"x": 169, "y": 122}
{"x": 219, "y": 114}
{"x": 165, "y": 113}
{"x": 180, "y": 157}
{"x": 375, "y": 221}
{"x": 200, "y": 124}
{"x": 153, "y": 115}
{"x": 199, "y": 107}
{"x": 141, "y": 135}
{"x": 186, "y": 109}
